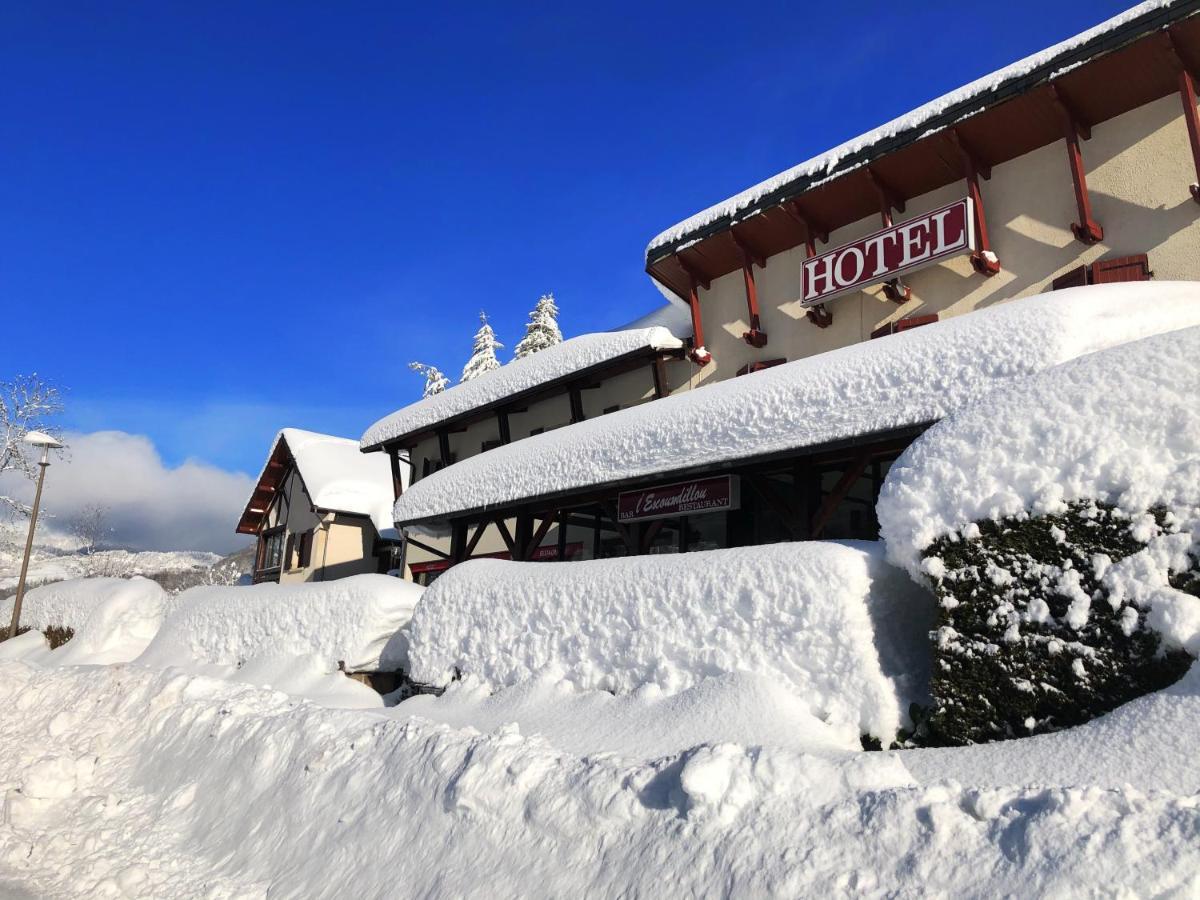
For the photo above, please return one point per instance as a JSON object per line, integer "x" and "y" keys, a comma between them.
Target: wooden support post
{"x": 649, "y": 533}
{"x": 778, "y": 503}
{"x": 1187, "y": 92}
{"x": 443, "y": 446}
{"x": 659, "y": 371}
{"x": 458, "y": 541}
{"x": 819, "y": 315}
{"x": 506, "y": 536}
{"x": 1187, "y": 95}
{"x": 540, "y": 535}
{"x": 699, "y": 355}
{"x": 838, "y": 494}
{"x": 397, "y": 481}
{"x": 755, "y": 337}
{"x": 889, "y": 198}
{"x": 628, "y": 538}
{"x": 1087, "y": 229}
{"x": 474, "y": 542}
{"x": 505, "y": 430}
{"x": 983, "y": 259}
{"x": 576, "y": 404}
{"x": 562, "y": 535}
{"x": 524, "y": 534}
{"x": 428, "y": 549}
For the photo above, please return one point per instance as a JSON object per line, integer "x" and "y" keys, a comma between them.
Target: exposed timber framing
{"x": 755, "y": 337}
{"x": 983, "y": 260}
{"x": 397, "y": 481}
{"x": 1087, "y": 230}
{"x": 1187, "y": 95}
{"x": 503, "y": 424}
{"x": 699, "y": 355}
{"x": 838, "y": 494}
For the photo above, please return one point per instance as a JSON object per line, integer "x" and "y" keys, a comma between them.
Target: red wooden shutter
{"x": 759, "y": 366}
{"x": 903, "y": 325}
{"x": 1076, "y": 277}
{"x": 1123, "y": 268}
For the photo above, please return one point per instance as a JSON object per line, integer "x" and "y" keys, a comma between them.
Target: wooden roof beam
{"x": 969, "y": 155}
{"x": 693, "y": 273}
{"x": 1069, "y": 112}
{"x": 814, "y": 230}
{"x": 746, "y": 249}
{"x": 889, "y": 197}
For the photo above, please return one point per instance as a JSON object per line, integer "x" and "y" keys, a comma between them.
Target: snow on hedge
{"x": 563, "y": 359}
{"x": 114, "y": 619}
{"x": 844, "y": 630}
{"x": 903, "y": 380}
{"x": 1120, "y": 427}
{"x": 826, "y": 166}
{"x": 351, "y": 620}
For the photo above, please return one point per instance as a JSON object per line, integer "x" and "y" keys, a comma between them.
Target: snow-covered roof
{"x": 337, "y": 475}
{"x": 539, "y": 369}
{"x": 874, "y": 387}
{"x": 955, "y": 106}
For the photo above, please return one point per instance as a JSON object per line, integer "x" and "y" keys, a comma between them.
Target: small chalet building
{"x": 1076, "y": 166}
{"x": 320, "y": 510}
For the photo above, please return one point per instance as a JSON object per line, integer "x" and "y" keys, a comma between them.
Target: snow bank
{"x": 164, "y": 785}
{"x": 815, "y": 616}
{"x": 1119, "y": 426}
{"x": 875, "y": 386}
{"x": 563, "y": 359}
{"x": 114, "y": 619}
{"x": 828, "y": 165}
{"x": 352, "y": 620}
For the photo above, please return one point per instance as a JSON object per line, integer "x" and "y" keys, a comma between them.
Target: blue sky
{"x": 226, "y": 218}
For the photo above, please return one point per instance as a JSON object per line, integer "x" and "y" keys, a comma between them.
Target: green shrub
{"x": 1011, "y": 655}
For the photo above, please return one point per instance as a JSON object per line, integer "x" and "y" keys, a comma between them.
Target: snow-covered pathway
{"x": 124, "y": 781}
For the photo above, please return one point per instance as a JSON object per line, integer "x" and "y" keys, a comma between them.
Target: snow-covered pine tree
{"x": 542, "y": 330}
{"x": 483, "y": 355}
{"x": 435, "y": 381}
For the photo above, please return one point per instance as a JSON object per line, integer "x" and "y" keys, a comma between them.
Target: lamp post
{"x": 47, "y": 443}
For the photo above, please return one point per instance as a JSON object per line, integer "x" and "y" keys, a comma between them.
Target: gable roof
{"x": 337, "y": 476}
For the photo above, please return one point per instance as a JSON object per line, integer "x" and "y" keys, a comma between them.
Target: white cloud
{"x": 194, "y": 506}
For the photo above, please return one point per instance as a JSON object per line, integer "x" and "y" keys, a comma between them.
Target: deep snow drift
{"x": 830, "y": 620}
{"x": 907, "y": 379}
{"x": 353, "y": 621}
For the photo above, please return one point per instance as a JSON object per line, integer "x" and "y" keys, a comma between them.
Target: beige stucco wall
{"x": 342, "y": 546}
{"x": 1138, "y": 166}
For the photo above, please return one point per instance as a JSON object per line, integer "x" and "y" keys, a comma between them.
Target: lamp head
{"x": 41, "y": 439}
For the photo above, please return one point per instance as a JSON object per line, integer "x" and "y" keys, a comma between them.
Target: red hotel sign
{"x": 886, "y": 254}
{"x": 704, "y": 495}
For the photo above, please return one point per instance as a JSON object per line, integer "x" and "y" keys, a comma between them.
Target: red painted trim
{"x": 699, "y": 355}
{"x": 819, "y": 315}
{"x": 760, "y": 365}
{"x": 1087, "y": 229}
{"x": 755, "y": 337}
{"x": 1187, "y": 93}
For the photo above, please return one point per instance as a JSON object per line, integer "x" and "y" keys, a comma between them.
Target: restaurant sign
{"x": 687, "y": 497}
{"x": 887, "y": 254}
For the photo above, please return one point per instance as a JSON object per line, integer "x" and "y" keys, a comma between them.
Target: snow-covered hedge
{"x": 352, "y": 620}
{"x": 113, "y": 619}
{"x": 1059, "y": 518}
{"x": 833, "y": 621}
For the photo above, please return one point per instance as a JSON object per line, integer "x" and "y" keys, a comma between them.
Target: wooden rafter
{"x": 838, "y": 494}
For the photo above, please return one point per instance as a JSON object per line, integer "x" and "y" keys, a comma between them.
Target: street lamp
{"x": 47, "y": 443}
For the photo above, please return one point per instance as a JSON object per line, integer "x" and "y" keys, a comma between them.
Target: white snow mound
{"x": 114, "y": 619}
{"x": 904, "y": 380}
{"x": 352, "y": 620}
{"x": 833, "y": 621}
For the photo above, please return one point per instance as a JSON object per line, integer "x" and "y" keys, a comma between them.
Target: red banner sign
{"x": 704, "y": 495}
{"x": 886, "y": 254}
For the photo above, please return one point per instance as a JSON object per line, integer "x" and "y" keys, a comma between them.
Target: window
{"x": 271, "y": 555}
{"x": 289, "y": 554}
{"x": 305, "y": 550}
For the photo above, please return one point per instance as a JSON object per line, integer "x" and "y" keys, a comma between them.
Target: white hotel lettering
{"x": 878, "y": 257}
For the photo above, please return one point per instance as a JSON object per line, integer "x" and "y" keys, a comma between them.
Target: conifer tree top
{"x": 483, "y": 355}
{"x": 542, "y": 330}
